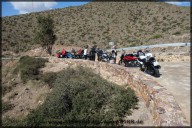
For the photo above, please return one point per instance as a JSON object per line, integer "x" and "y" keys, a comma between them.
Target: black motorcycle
{"x": 150, "y": 66}
{"x": 104, "y": 57}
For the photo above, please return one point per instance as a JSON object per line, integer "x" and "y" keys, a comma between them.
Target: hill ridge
{"x": 125, "y": 23}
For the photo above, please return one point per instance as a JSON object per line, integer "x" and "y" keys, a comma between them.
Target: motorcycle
{"x": 149, "y": 64}
{"x": 130, "y": 60}
{"x": 104, "y": 57}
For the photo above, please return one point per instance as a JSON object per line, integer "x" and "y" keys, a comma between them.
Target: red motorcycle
{"x": 130, "y": 60}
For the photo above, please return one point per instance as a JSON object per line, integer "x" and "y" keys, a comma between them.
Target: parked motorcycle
{"x": 69, "y": 55}
{"x": 104, "y": 57}
{"x": 130, "y": 60}
{"x": 149, "y": 64}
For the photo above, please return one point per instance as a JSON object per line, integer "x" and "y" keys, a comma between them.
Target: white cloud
{"x": 27, "y": 7}
{"x": 179, "y": 3}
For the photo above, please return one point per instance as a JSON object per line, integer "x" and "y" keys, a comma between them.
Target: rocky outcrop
{"x": 160, "y": 103}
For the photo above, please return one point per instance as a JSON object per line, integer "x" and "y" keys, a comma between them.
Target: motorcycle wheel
{"x": 156, "y": 72}
{"x": 132, "y": 63}
{"x": 124, "y": 64}
{"x": 142, "y": 68}
{"x": 137, "y": 63}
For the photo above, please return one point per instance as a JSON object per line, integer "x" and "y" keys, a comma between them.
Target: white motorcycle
{"x": 149, "y": 64}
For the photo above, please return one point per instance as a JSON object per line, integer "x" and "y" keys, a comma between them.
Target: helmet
{"x": 139, "y": 51}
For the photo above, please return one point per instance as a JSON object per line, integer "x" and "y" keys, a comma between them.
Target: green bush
{"x": 49, "y": 78}
{"x": 29, "y": 67}
{"x": 82, "y": 98}
{"x": 12, "y": 122}
{"x": 157, "y": 36}
{"x": 177, "y": 33}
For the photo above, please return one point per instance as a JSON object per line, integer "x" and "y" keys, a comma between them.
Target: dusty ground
{"x": 141, "y": 114}
{"x": 24, "y": 97}
{"x": 176, "y": 78}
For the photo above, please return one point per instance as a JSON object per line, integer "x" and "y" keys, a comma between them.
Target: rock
{"x": 21, "y": 108}
{"x": 144, "y": 117}
{"x": 161, "y": 110}
{"x": 16, "y": 93}
{"x": 40, "y": 102}
{"x": 26, "y": 88}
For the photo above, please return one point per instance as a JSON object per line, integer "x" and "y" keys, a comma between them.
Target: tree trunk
{"x": 49, "y": 50}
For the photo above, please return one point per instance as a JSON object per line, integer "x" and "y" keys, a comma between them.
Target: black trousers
{"x": 85, "y": 57}
{"x": 92, "y": 57}
{"x": 122, "y": 56}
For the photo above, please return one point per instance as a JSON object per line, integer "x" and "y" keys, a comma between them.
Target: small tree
{"x": 45, "y": 35}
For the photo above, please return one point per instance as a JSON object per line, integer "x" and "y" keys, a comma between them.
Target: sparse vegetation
{"x": 177, "y": 33}
{"x": 157, "y": 36}
{"x": 29, "y": 68}
{"x": 6, "y": 106}
{"x": 6, "y": 89}
{"x": 49, "y": 78}
{"x": 129, "y": 20}
{"x": 80, "y": 98}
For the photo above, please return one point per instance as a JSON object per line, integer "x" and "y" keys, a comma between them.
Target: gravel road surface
{"x": 176, "y": 78}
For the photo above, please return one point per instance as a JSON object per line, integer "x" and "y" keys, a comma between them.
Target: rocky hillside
{"x": 125, "y": 23}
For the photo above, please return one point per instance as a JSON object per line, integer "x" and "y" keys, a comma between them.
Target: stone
{"x": 144, "y": 117}
{"x": 161, "y": 110}
{"x": 16, "y": 93}
{"x": 26, "y": 88}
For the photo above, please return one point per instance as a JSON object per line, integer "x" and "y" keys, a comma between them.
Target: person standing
{"x": 122, "y": 55}
{"x": 63, "y": 53}
{"x": 85, "y": 52}
{"x": 99, "y": 54}
{"x": 114, "y": 53}
{"x": 92, "y": 53}
{"x": 79, "y": 53}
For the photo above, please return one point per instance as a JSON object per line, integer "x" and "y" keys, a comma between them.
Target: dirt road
{"x": 176, "y": 78}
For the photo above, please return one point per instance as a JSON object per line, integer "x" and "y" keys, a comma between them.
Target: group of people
{"x": 91, "y": 54}
{"x": 87, "y": 53}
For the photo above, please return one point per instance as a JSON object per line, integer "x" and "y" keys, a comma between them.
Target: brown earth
{"x": 24, "y": 97}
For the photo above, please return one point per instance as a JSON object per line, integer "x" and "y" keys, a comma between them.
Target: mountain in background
{"x": 125, "y": 23}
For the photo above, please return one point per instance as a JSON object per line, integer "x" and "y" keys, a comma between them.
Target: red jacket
{"x": 63, "y": 52}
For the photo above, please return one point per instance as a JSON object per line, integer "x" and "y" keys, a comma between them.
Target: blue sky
{"x": 16, "y": 8}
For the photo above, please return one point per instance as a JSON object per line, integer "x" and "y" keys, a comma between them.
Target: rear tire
{"x": 132, "y": 63}
{"x": 156, "y": 72}
{"x": 141, "y": 67}
{"x": 125, "y": 63}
